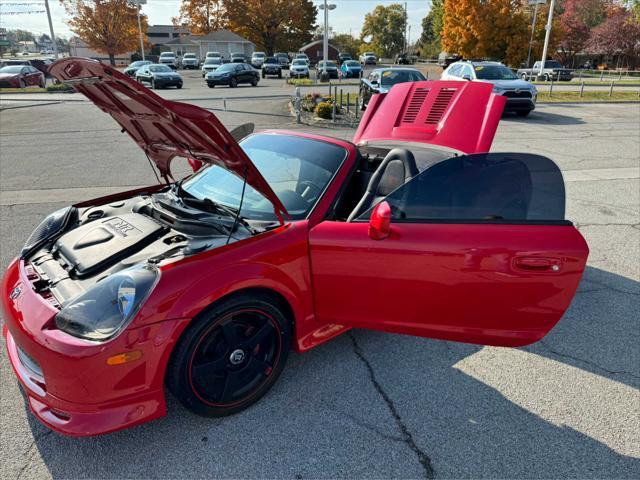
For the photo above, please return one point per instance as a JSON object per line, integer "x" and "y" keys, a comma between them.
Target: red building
{"x": 314, "y": 51}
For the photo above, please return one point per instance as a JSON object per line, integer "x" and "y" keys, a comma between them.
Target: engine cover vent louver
{"x": 415, "y": 104}
{"x": 440, "y": 105}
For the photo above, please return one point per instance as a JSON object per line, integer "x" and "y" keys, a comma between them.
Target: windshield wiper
{"x": 214, "y": 207}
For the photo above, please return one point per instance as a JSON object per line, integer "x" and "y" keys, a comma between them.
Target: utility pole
{"x": 535, "y": 3}
{"x": 325, "y": 43}
{"x": 546, "y": 38}
{"x": 53, "y": 37}
{"x": 406, "y": 43}
{"x": 138, "y": 2}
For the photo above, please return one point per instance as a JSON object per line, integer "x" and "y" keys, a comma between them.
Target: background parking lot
{"x": 367, "y": 404}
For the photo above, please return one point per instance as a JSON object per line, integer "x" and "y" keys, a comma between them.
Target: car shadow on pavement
{"x": 370, "y": 404}
{"x": 540, "y": 116}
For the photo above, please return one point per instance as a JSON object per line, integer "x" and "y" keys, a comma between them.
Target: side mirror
{"x": 380, "y": 221}
{"x": 194, "y": 164}
{"x": 466, "y": 77}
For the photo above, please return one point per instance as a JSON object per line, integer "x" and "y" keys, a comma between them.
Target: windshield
{"x": 297, "y": 169}
{"x": 552, "y": 64}
{"x": 391, "y": 77}
{"x": 139, "y": 63}
{"x": 301, "y": 55}
{"x": 212, "y": 61}
{"x": 352, "y": 63}
{"x": 259, "y": 55}
{"x": 300, "y": 62}
{"x": 271, "y": 60}
{"x": 329, "y": 64}
{"x": 159, "y": 68}
{"x": 189, "y": 55}
{"x": 167, "y": 54}
{"x": 213, "y": 54}
{"x": 227, "y": 67}
{"x": 12, "y": 69}
{"x": 494, "y": 72}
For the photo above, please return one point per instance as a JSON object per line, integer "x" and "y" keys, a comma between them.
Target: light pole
{"x": 533, "y": 26}
{"x": 138, "y": 3}
{"x": 325, "y": 44}
{"x": 546, "y": 38}
{"x": 53, "y": 37}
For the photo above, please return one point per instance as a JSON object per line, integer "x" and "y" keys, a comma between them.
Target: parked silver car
{"x": 521, "y": 95}
{"x": 210, "y": 65}
{"x": 189, "y": 60}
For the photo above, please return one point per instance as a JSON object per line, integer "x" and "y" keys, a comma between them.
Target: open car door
{"x": 477, "y": 250}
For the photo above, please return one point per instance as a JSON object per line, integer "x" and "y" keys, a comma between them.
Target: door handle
{"x": 538, "y": 264}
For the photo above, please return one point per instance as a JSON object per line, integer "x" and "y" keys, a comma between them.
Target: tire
{"x": 179, "y": 86}
{"x": 230, "y": 355}
{"x": 547, "y": 78}
{"x": 524, "y": 77}
{"x": 254, "y": 82}
{"x": 233, "y": 83}
{"x": 263, "y": 75}
{"x": 280, "y": 74}
{"x": 21, "y": 83}
{"x": 43, "y": 83}
{"x": 211, "y": 85}
{"x": 363, "y": 106}
{"x": 153, "y": 84}
{"x": 523, "y": 113}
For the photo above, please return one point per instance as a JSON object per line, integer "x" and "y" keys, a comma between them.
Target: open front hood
{"x": 163, "y": 129}
{"x": 460, "y": 115}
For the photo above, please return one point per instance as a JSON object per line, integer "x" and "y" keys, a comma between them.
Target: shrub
{"x": 324, "y": 110}
{"x": 60, "y": 87}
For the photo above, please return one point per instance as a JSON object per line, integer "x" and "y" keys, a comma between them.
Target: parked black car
{"x": 133, "y": 67}
{"x": 343, "y": 57}
{"x": 238, "y": 58}
{"x": 332, "y": 69}
{"x": 283, "y": 58}
{"x": 381, "y": 80}
{"x": 233, "y": 74}
{"x": 159, "y": 76}
{"x": 271, "y": 66}
{"x": 403, "y": 59}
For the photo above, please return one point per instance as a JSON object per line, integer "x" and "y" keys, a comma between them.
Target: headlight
{"x": 50, "y": 226}
{"x": 104, "y": 310}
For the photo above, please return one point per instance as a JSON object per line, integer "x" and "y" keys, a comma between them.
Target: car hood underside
{"x": 162, "y": 128}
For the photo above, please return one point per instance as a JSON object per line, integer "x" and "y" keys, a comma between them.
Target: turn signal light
{"x": 125, "y": 357}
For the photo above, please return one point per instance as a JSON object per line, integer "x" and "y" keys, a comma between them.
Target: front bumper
{"x": 167, "y": 83}
{"x": 74, "y": 391}
{"x": 519, "y": 105}
{"x": 299, "y": 73}
{"x": 351, "y": 73}
{"x": 218, "y": 81}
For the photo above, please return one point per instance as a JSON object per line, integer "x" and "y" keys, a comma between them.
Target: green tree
{"x": 346, "y": 43}
{"x": 273, "y": 24}
{"x": 384, "y": 29}
{"x": 429, "y": 41}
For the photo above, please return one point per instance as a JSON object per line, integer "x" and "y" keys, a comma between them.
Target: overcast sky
{"x": 347, "y": 17}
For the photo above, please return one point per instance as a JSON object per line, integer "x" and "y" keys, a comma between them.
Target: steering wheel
{"x": 306, "y": 189}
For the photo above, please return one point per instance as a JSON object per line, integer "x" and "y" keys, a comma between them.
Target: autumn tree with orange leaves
{"x": 495, "y": 29}
{"x": 202, "y": 16}
{"x": 107, "y": 26}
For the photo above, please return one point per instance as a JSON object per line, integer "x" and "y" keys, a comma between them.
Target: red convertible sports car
{"x": 281, "y": 240}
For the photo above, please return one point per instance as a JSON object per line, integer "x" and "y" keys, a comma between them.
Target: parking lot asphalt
{"x": 367, "y": 404}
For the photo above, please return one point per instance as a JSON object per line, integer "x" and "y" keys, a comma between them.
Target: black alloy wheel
{"x": 233, "y": 83}
{"x": 229, "y": 357}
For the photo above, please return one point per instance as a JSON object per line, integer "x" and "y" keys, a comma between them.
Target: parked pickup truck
{"x": 552, "y": 68}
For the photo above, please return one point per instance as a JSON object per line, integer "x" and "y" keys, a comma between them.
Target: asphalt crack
{"x": 406, "y": 435}
{"x": 30, "y": 453}
{"x": 586, "y": 362}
